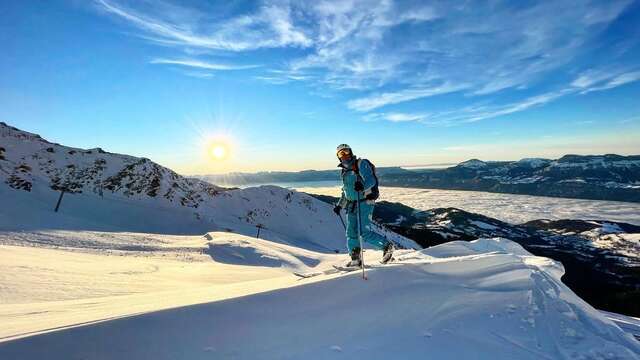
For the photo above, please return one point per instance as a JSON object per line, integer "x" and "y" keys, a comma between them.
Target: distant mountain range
{"x": 268, "y": 177}
{"x": 601, "y": 258}
{"x": 596, "y": 177}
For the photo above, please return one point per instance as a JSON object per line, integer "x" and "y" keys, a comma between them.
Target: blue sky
{"x": 282, "y": 83}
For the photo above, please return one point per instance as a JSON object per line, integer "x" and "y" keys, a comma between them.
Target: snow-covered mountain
{"x": 27, "y": 159}
{"x": 599, "y": 177}
{"x": 107, "y": 192}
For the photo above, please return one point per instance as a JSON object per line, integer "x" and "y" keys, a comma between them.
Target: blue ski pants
{"x": 368, "y": 235}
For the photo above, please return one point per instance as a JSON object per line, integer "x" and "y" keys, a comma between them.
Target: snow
{"x": 613, "y": 184}
{"x": 516, "y": 180}
{"x": 515, "y": 209}
{"x": 399, "y": 220}
{"x": 576, "y": 180}
{"x": 483, "y": 225}
{"x": 473, "y": 164}
{"x": 534, "y": 162}
{"x": 611, "y": 228}
{"x": 487, "y": 299}
{"x": 627, "y": 323}
{"x": 626, "y": 245}
{"x": 46, "y": 289}
{"x": 286, "y": 216}
{"x": 595, "y": 162}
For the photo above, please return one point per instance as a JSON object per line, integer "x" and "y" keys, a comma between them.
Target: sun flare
{"x": 218, "y": 151}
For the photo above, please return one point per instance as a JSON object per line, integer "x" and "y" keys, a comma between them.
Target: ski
{"x": 336, "y": 269}
{"x": 349, "y": 268}
{"x": 316, "y": 273}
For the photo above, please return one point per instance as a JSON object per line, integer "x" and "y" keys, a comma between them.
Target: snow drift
{"x": 487, "y": 299}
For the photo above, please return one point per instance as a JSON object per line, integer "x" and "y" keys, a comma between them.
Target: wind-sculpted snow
{"x": 487, "y": 299}
{"x": 255, "y": 252}
{"x": 514, "y": 209}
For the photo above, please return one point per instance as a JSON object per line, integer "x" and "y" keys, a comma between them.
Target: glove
{"x": 336, "y": 209}
{"x": 358, "y": 186}
{"x": 370, "y": 197}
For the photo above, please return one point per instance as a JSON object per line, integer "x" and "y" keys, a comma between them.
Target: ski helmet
{"x": 342, "y": 147}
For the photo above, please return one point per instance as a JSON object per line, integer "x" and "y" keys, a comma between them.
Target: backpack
{"x": 375, "y": 192}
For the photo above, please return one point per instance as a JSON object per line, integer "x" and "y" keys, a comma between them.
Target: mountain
{"x": 601, "y": 258}
{"x": 266, "y": 177}
{"x": 597, "y": 177}
{"x": 26, "y": 158}
{"x": 113, "y": 192}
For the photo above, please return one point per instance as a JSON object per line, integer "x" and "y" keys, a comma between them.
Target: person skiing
{"x": 359, "y": 187}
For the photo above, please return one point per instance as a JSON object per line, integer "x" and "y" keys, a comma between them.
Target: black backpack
{"x": 375, "y": 192}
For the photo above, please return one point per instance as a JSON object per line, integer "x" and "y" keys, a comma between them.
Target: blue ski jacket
{"x": 349, "y": 178}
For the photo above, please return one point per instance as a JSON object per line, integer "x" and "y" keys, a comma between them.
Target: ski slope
{"x": 488, "y": 299}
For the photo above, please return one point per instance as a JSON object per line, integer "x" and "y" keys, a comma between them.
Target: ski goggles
{"x": 344, "y": 152}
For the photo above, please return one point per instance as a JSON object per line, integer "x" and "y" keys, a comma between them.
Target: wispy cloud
{"x": 606, "y": 81}
{"x": 610, "y": 75}
{"x": 467, "y": 114}
{"x": 378, "y": 100}
{"x": 199, "y": 74}
{"x": 202, "y": 64}
{"x": 271, "y": 27}
{"x": 396, "y": 117}
{"x": 387, "y": 53}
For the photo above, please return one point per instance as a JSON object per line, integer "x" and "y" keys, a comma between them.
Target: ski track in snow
{"x": 515, "y": 209}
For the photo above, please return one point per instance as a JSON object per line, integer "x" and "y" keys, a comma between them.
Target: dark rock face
{"x": 597, "y": 177}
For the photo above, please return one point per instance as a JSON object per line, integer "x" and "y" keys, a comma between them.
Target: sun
{"x": 218, "y": 151}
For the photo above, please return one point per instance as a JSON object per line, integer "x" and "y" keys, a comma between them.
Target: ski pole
{"x": 342, "y": 221}
{"x": 360, "y": 238}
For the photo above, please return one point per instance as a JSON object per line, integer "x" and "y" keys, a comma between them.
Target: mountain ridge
{"x": 595, "y": 177}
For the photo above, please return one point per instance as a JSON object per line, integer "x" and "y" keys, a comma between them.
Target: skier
{"x": 359, "y": 187}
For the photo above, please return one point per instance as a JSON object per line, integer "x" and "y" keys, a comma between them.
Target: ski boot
{"x": 355, "y": 258}
{"x": 387, "y": 253}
